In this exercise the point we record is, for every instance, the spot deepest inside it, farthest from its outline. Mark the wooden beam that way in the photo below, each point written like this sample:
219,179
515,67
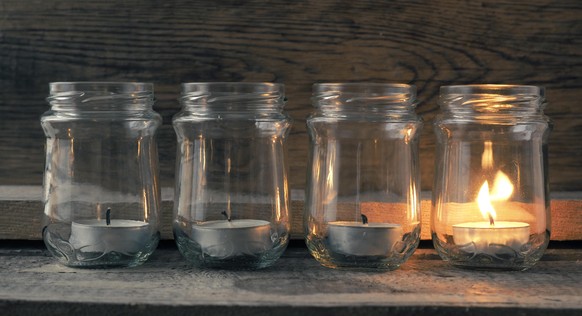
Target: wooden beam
21,211
426,43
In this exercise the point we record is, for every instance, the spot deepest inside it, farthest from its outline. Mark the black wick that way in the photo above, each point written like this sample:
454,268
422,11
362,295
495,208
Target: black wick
364,219
491,220
226,215
108,216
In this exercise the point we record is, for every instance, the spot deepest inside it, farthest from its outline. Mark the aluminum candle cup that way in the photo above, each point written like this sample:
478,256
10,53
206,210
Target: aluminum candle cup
359,239
485,236
225,239
123,236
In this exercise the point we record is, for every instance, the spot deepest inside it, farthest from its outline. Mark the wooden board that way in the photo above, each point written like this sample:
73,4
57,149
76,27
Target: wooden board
426,43
32,283
21,211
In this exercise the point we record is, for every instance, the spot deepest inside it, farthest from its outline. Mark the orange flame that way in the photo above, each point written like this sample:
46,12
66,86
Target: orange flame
501,191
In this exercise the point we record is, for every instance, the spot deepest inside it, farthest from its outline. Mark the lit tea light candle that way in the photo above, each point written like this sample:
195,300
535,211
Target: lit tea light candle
487,236
483,235
363,238
230,238
110,235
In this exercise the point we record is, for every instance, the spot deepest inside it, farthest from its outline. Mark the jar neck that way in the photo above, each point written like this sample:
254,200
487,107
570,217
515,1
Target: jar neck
100,97
490,100
233,97
364,98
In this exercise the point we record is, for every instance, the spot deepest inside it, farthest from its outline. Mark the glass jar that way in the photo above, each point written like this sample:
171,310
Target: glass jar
101,190
231,207
362,207
491,206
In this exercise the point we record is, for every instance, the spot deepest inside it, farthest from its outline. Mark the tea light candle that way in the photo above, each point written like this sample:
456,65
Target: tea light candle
484,235
229,238
363,238
119,235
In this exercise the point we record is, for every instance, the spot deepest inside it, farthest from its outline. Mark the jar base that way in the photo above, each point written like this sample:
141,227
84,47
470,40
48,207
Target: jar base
320,249
496,257
193,253
110,260
67,255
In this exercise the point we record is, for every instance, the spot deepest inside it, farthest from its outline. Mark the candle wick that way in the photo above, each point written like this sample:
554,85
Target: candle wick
226,215
108,216
491,220
364,219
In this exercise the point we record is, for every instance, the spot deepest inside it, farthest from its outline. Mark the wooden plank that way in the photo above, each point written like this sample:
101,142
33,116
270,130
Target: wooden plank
21,211
296,285
427,43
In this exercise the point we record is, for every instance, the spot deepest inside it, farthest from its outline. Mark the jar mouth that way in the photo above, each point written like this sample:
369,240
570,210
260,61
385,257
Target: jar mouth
231,87
497,89
97,96
232,96
492,98
101,87
365,89
363,95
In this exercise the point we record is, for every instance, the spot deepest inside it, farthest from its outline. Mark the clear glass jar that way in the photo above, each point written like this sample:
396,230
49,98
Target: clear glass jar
231,207
362,207
101,190
491,205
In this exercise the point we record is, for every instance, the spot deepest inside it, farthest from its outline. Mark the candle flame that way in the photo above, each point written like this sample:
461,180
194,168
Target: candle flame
501,191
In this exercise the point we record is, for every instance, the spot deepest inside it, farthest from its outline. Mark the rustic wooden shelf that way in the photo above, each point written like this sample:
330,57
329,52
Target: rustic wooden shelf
32,283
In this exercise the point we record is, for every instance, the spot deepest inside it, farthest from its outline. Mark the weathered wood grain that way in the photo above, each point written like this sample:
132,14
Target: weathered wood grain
21,212
32,283
427,43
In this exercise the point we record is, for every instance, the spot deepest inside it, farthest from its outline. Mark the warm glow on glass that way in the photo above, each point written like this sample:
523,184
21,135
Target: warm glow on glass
502,187
278,203
487,157
313,229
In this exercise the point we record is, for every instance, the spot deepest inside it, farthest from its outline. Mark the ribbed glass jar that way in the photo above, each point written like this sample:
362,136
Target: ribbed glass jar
491,204
362,207
101,190
231,207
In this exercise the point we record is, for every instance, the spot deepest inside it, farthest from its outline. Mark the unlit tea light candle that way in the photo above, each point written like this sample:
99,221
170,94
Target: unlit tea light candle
119,235
224,238
362,238
483,235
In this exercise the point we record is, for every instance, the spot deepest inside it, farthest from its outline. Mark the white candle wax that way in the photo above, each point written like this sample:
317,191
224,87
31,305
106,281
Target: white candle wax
224,239
123,236
358,239
483,234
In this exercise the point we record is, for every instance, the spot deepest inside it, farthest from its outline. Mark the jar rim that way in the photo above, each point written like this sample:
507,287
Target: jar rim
120,87
100,96
499,89
231,97
364,97
231,87
364,87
